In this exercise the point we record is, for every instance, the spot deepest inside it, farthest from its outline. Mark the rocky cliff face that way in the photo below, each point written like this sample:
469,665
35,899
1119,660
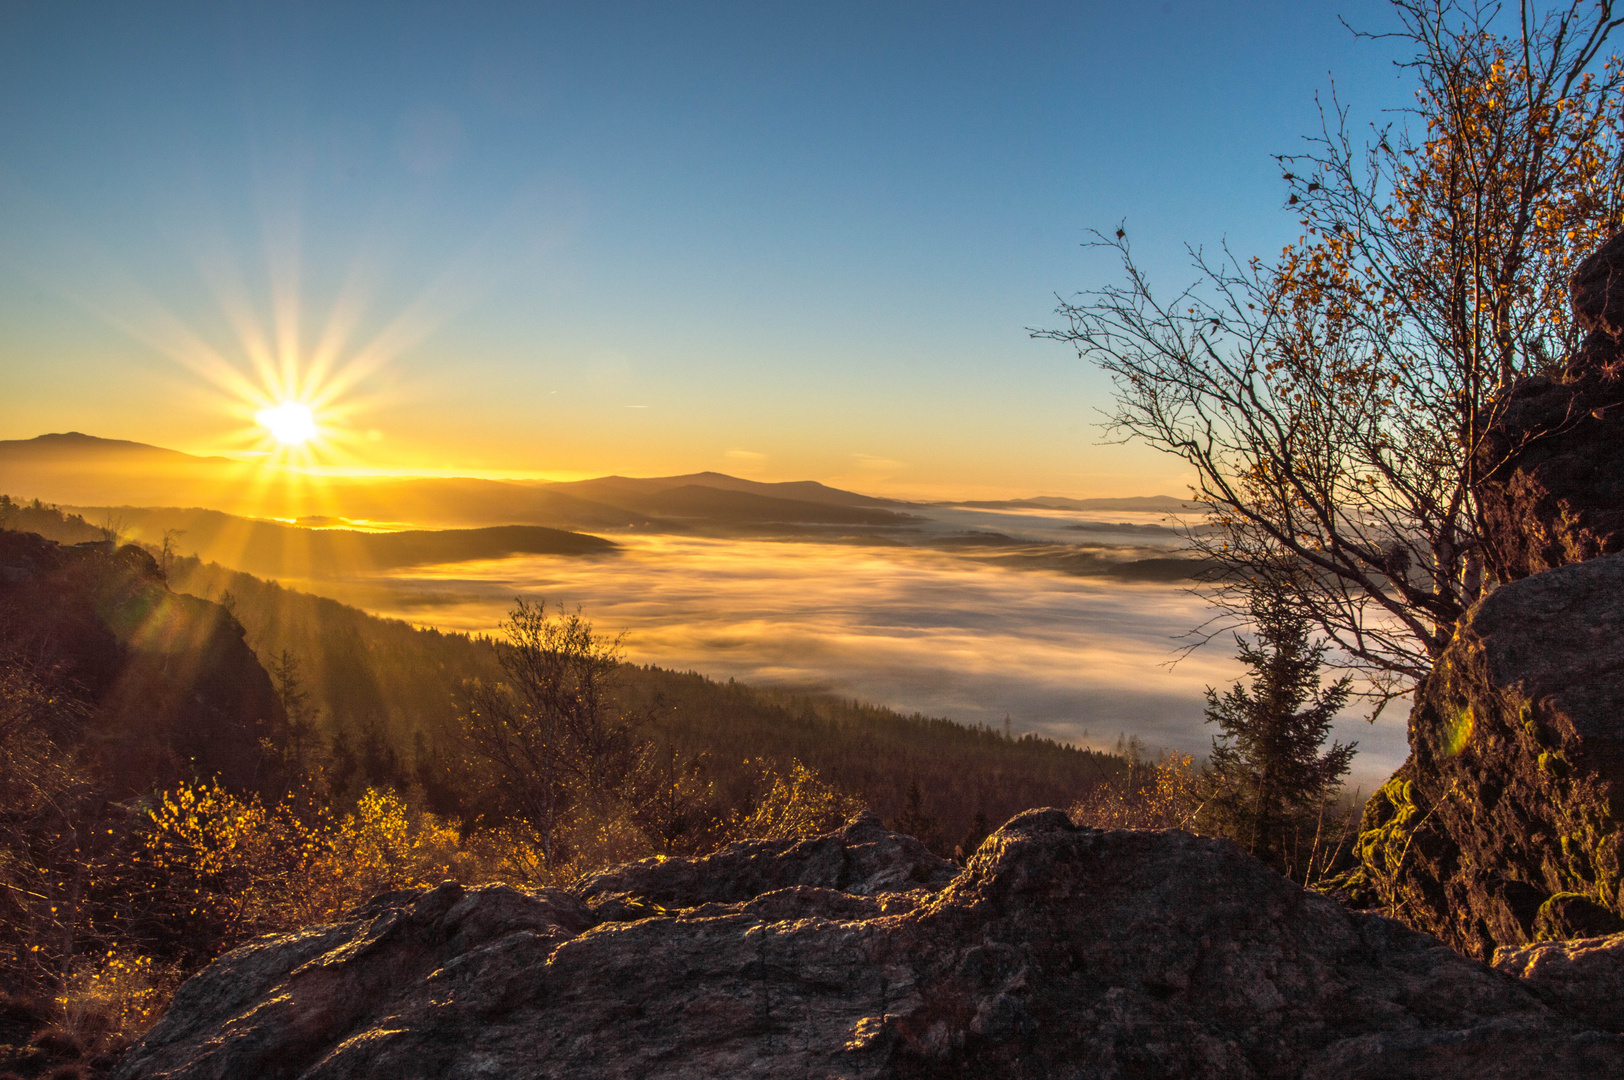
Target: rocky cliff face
1058,952
173,689
1551,469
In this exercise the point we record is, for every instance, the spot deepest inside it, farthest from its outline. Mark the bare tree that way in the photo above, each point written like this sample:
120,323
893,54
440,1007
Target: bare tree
553,727
168,553
112,528
1333,402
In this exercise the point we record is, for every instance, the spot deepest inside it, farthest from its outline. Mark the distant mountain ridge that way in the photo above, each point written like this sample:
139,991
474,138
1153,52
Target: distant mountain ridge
76,444
83,470
736,505
796,490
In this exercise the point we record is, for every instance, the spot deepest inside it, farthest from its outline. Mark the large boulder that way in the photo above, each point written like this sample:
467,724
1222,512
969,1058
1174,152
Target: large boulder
1552,475
1550,468
1057,951
1503,826
1596,290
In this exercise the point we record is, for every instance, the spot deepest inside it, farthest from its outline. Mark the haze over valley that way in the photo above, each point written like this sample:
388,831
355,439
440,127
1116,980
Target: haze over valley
1064,616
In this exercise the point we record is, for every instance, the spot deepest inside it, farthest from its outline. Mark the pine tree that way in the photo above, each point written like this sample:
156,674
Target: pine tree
1268,780
301,714
913,820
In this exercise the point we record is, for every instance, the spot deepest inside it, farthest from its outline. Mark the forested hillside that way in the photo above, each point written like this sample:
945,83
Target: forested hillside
386,694
389,694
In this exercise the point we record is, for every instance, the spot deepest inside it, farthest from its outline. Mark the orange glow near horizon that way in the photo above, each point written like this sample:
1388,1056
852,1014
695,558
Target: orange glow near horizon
293,409
239,374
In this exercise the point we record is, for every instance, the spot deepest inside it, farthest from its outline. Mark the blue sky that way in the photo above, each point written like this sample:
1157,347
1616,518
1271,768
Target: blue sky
781,240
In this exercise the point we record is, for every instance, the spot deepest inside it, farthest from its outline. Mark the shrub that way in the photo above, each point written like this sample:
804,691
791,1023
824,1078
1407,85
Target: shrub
108,1003
1165,794
791,804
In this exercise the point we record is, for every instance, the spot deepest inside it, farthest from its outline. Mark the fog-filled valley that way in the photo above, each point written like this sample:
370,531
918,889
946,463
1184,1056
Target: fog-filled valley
1066,618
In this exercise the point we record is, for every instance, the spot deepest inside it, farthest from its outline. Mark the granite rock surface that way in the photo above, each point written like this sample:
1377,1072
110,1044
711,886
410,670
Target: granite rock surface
1056,952
1503,826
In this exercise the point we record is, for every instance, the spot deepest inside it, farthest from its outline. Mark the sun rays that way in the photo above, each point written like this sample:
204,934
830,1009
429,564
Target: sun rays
287,378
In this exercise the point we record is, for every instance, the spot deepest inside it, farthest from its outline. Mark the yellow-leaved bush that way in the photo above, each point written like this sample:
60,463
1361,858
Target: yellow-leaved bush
1165,794
792,803
106,1002
234,867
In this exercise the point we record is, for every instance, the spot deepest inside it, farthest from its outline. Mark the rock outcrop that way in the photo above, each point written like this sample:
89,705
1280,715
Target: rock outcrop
1551,468
1057,952
1596,292
1582,978
1503,826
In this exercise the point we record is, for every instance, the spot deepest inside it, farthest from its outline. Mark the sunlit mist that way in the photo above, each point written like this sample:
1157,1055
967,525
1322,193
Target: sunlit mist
289,423
1075,658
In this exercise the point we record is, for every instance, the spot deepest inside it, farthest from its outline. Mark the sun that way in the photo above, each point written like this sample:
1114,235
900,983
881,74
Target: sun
290,423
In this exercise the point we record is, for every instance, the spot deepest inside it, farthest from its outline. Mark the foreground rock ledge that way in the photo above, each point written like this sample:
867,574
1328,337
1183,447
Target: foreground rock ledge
1058,952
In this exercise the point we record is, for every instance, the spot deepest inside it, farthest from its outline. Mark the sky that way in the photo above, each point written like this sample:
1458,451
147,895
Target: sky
783,241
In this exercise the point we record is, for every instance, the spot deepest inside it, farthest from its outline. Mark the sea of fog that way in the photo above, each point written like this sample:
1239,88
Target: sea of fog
941,633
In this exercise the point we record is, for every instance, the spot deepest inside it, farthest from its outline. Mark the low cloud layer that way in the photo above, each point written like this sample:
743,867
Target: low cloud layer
1082,659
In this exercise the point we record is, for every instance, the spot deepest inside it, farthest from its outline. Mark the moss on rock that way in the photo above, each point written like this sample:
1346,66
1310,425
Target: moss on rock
1574,915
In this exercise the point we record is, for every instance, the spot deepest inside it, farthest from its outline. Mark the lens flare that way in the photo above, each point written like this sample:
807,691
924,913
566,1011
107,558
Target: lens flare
290,423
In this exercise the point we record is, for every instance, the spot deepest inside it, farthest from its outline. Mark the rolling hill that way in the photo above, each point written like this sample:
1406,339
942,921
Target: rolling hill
274,549
83,470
